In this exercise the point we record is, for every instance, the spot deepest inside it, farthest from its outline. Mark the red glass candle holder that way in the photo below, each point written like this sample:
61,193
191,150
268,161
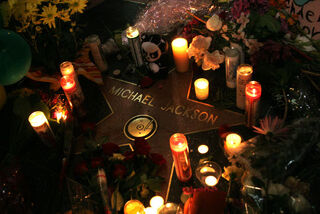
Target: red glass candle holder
180,154
72,91
253,94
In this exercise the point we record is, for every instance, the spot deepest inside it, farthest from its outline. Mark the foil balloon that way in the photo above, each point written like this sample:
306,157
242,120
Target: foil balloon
15,57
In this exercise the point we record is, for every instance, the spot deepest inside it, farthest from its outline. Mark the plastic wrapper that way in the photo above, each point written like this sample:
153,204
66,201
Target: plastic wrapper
163,16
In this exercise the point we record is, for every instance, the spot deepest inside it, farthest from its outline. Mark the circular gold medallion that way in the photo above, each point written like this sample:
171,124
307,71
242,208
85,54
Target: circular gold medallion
140,126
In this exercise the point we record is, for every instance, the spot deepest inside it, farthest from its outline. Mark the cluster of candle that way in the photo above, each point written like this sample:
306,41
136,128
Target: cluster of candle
136,207
70,84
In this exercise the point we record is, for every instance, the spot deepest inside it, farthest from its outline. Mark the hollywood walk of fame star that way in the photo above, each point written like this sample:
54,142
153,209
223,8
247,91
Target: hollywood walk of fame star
167,102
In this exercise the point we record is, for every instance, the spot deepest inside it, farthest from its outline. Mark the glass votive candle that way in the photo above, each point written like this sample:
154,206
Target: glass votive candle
133,207
170,208
208,173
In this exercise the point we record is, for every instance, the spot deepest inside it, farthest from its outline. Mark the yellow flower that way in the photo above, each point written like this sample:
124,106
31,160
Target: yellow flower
22,11
64,15
49,15
77,5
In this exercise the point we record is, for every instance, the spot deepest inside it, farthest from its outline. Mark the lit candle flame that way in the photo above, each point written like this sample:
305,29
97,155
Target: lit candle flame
211,180
233,140
37,119
156,202
203,149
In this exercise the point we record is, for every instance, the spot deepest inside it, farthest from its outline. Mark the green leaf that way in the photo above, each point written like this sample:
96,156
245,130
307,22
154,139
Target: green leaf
155,184
269,22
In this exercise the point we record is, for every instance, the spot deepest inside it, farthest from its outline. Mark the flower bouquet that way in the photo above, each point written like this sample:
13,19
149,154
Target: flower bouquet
50,27
276,169
115,175
267,36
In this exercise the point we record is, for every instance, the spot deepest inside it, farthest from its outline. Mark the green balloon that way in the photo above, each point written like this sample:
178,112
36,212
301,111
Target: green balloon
15,57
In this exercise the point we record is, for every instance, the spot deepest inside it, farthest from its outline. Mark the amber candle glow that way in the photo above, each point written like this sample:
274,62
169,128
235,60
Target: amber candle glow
67,69
72,91
180,55
180,154
253,94
201,87
133,207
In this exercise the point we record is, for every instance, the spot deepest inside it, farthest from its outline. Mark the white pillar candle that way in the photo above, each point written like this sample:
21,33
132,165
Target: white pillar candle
244,74
201,87
180,55
41,126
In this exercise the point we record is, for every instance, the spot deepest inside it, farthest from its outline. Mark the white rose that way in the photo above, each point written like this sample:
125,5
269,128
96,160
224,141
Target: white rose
304,41
214,23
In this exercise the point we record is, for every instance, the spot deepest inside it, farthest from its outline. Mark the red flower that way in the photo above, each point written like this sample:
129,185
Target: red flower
81,168
96,162
158,159
129,155
146,82
224,130
110,148
119,170
141,146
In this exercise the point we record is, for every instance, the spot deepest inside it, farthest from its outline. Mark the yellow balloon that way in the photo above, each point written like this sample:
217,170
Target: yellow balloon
3,96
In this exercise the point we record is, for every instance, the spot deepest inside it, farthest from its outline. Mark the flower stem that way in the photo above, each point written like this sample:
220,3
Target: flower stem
286,105
310,73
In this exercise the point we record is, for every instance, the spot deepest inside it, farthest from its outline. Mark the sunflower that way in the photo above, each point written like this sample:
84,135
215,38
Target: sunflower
49,14
64,15
77,5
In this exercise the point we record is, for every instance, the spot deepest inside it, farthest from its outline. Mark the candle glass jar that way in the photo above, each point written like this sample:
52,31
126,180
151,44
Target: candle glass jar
133,207
208,173
134,42
170,208
72,91
180,155
94,43
41,126
201,87
244,74
253,94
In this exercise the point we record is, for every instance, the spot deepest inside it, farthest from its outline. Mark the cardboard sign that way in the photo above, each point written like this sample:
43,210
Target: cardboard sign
308,12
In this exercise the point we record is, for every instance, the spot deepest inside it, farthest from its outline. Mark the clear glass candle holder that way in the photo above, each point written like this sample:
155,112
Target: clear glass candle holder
208,173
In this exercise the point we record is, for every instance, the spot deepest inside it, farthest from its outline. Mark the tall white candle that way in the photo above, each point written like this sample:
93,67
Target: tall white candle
244,74
180,55
201,87
41,126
